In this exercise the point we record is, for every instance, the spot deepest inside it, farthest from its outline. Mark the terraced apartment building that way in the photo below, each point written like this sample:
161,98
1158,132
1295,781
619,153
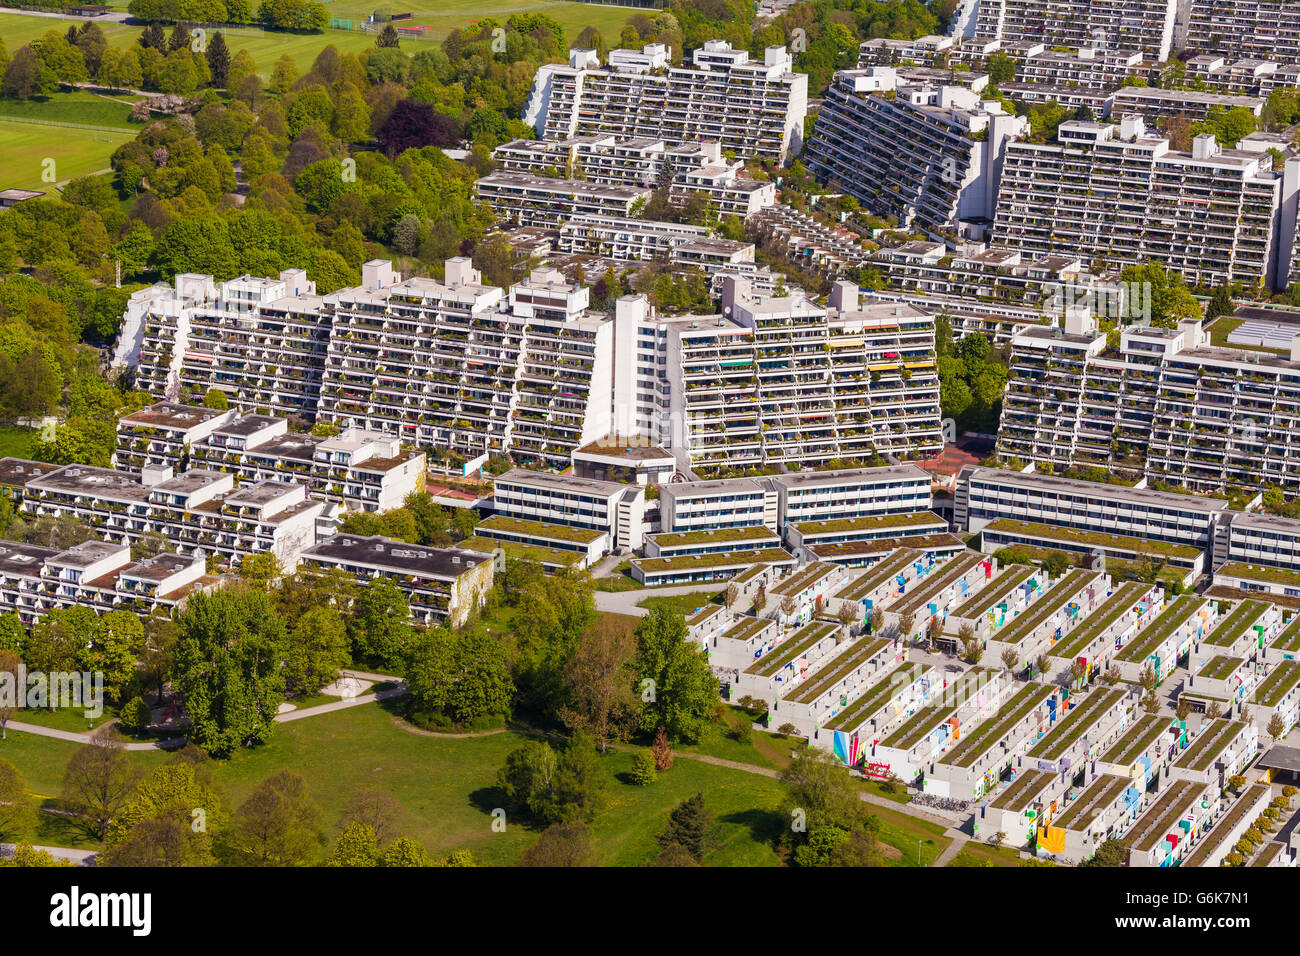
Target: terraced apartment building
1145,25
642,162
927,154
1260,29
1116,194
753,108
1183,406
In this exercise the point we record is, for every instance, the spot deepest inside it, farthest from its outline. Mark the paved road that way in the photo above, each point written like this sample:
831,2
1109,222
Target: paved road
113,16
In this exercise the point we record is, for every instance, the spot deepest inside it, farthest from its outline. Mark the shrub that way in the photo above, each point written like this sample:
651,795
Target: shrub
643,768
787,730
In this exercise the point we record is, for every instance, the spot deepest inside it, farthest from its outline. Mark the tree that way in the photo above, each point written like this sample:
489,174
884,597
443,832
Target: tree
691,826
278,825
15,810
388,37
1220,303
1111,853
906,621
356,846
228,668
561,844
731,595
461,677
526,778
1214,711
789,606
167,821
135,716
1010,658
1276,726
681,690
847,615
413,124
876,619
662,750
216,399
598,677
317,650
381,625
10,663
376,809
218,55
404,852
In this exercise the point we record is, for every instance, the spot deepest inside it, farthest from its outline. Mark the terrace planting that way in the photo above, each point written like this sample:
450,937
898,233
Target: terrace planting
1170,620
1117,605
878,695
1164,814
1056,598
927,719
1278,684
1008,717
1023,791
886,570
681,539
1223,826
538,529
1081,718
1137,740
1254,572
869,523
956,569
1231,627
1206,748
1289,640
701,562
996,591
838,669
1094,539
1103,793
791,649
800,581
1221,667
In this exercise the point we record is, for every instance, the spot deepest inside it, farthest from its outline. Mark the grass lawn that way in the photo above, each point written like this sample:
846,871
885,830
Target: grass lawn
24,147
16,442
72,719
684,604
77,106
762,750
981,854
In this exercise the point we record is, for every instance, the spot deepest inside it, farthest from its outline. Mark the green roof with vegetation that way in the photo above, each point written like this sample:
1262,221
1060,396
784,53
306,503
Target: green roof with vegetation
1137,739
993,593
1023,791
869,523
702,614
859,711
523,552
1097,797
886,570
1223,826
1220,667
1164,814
802,580
1212,741
1288,640
1096,539
703,562
1256,572
1174,616
745,628
921,542
1269,853
681,539
1112,609
1082,717
1057,597
926,720
753,571
935,582
1227,631
537,529
989,732
1278,684
837,669
791,649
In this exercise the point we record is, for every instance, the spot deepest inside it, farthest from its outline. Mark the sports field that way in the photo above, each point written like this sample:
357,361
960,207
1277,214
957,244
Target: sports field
440,16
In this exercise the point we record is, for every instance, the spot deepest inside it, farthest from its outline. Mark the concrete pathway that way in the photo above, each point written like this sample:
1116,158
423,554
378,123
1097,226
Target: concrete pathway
959,840
77,857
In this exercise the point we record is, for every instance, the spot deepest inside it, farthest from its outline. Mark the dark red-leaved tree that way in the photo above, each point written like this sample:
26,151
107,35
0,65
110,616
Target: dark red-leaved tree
413,124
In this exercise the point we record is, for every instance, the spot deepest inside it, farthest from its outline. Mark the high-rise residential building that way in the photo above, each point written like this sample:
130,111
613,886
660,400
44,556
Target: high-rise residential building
1145,25
1121,196
754,108
609,160
544,201
458,366
927,154
1261,29
1180,406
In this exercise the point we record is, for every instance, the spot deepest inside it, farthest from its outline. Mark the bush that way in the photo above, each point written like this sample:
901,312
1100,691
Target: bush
643,768
787,730
1254,836
135,716
743,733
1233,859
1288,791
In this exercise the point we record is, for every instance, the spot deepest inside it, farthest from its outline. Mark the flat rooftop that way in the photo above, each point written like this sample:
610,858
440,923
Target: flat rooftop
1092,490
841,476
23,560
172,415
16,472
562,483
389,555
